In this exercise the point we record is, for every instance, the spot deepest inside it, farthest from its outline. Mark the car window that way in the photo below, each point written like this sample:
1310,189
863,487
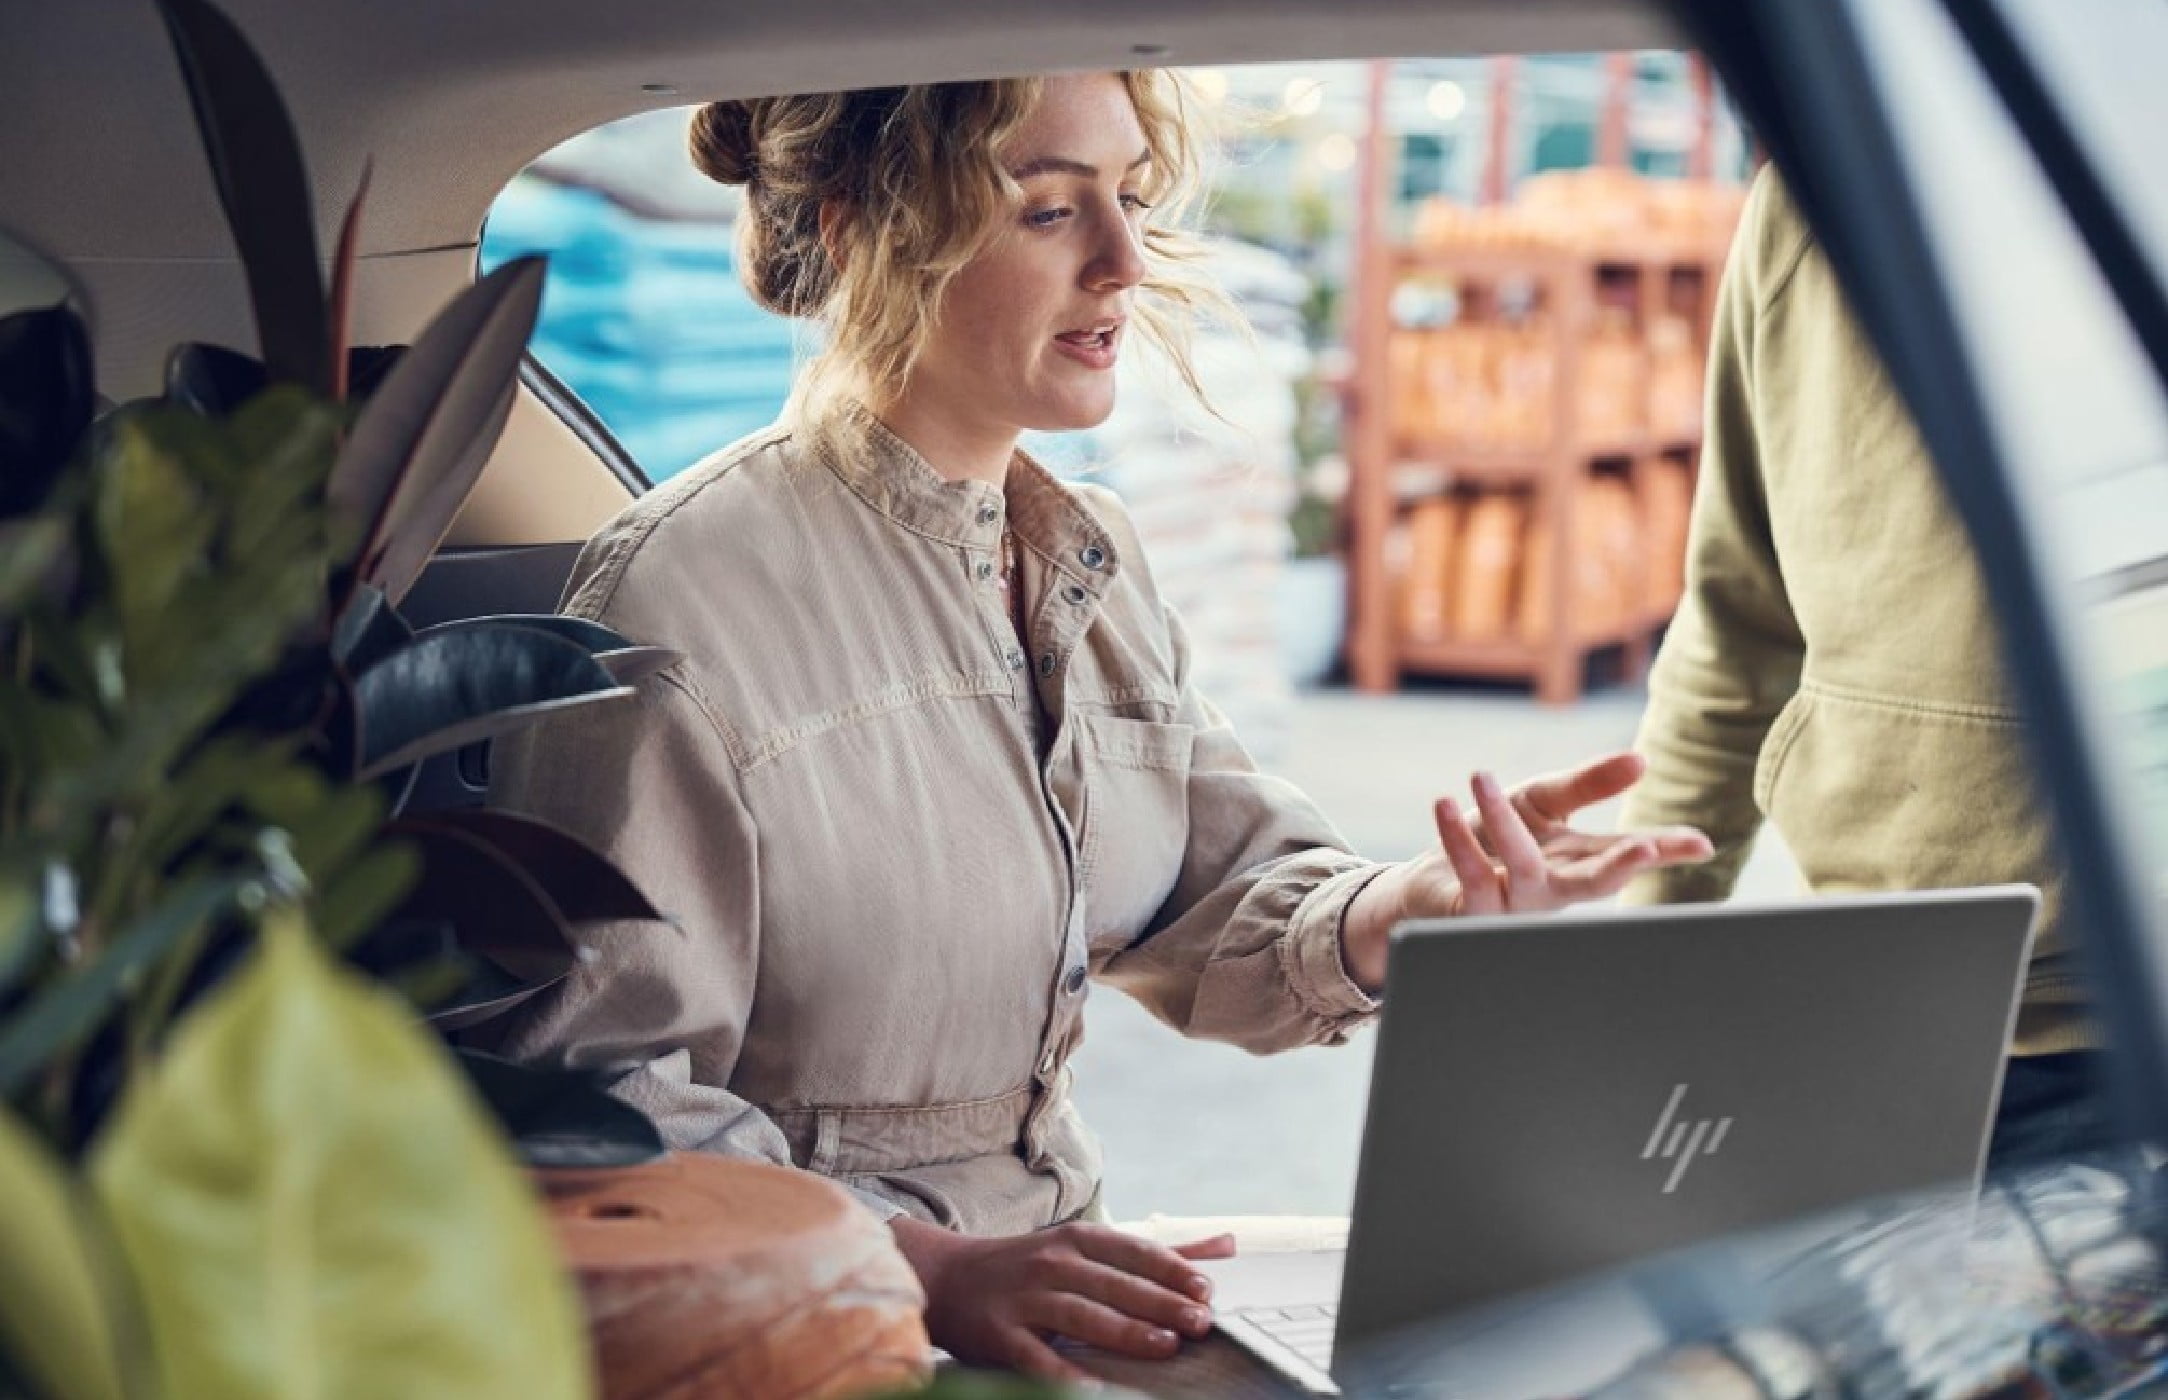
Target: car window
1246,519
2064,374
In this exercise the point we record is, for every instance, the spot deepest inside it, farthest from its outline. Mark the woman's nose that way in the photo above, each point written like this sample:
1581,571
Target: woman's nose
1120,263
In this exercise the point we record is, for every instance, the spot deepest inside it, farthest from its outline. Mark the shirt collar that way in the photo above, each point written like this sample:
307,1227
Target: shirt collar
896,481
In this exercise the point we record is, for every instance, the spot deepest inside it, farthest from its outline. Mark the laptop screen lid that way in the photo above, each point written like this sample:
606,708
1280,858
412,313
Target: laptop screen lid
1555,1096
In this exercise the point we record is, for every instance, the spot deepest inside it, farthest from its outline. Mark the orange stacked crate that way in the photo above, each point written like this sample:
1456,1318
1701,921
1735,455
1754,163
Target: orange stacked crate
1557,398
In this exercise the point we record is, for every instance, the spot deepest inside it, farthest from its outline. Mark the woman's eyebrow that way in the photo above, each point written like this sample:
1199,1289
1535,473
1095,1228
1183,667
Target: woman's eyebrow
1062,165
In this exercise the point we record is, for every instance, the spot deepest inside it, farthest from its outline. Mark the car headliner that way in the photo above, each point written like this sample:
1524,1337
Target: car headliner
101,172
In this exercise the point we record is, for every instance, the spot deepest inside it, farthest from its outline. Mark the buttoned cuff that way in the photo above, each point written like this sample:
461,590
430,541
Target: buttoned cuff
1310,952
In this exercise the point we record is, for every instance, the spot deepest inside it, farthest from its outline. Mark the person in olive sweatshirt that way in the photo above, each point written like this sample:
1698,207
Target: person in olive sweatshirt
1835,667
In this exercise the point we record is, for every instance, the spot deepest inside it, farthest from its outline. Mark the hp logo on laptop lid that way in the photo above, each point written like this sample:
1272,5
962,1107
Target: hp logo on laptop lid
1680,1140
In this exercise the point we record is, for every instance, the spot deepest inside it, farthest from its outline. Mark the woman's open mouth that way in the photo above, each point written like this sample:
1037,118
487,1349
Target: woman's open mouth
1094,345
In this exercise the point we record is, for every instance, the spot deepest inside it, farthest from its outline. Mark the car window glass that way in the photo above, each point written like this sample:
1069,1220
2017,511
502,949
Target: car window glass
2064,376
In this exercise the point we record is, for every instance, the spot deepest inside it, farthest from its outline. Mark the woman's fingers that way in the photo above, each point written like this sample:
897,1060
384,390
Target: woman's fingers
1557,796
1678,845
1106,1245
1221,1246
1479,888
1600,876
1135,1297
1094,1323
1526,871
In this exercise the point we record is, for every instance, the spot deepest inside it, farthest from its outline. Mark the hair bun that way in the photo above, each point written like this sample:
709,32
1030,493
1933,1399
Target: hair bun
722,142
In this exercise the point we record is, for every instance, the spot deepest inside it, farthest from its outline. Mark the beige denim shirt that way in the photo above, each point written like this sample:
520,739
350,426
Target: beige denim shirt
892,881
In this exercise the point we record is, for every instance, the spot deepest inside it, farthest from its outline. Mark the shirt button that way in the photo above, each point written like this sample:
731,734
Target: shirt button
986,568
1046,664
1074,982
989,513
1093,556
1074,594
1016,659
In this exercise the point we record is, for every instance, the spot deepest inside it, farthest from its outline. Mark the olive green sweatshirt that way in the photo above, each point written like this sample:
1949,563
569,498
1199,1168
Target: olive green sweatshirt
1834,666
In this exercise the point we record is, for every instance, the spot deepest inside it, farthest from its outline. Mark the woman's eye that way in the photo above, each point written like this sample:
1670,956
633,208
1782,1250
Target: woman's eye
1135,203
1046,218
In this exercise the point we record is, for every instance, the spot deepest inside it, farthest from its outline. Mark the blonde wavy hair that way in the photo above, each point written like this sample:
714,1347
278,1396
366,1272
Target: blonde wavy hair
918,171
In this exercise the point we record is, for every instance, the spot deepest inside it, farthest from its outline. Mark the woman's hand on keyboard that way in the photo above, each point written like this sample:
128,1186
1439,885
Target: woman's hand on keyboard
997,1301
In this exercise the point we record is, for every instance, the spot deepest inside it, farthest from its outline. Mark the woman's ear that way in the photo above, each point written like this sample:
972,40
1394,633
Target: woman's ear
834,215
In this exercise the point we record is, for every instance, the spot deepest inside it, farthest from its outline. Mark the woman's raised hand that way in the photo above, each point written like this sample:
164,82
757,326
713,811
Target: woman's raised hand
1516,853
998,1302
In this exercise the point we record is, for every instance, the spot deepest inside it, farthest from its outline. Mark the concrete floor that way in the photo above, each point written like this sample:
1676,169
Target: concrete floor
1200,1129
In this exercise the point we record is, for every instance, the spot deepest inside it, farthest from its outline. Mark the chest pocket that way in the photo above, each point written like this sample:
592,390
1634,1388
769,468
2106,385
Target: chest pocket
1134,825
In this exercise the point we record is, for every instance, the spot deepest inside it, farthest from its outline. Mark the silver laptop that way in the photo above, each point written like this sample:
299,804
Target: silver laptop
1554,1097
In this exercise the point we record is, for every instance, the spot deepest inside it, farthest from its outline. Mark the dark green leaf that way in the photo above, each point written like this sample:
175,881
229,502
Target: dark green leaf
497,908
364,894
635,664
68,1011
21,930
262,184
154,528
488,992
81,658
40,736
590,636
423,438
441,693
579,880
337,829
369,629
29,548
46,398
288,440
212,380
180,813
562,1118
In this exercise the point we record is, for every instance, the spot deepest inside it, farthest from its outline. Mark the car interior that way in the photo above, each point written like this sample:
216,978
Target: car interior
2034,354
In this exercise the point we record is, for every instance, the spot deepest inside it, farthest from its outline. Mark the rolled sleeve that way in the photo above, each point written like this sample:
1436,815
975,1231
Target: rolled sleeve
1311,952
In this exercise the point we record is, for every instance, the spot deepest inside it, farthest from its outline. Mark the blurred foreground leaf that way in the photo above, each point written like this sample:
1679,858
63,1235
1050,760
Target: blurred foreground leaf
314,1204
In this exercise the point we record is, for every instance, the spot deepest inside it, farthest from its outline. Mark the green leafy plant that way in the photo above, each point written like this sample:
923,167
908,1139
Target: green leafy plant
230,1163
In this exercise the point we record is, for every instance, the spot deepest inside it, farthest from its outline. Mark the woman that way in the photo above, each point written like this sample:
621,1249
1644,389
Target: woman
933,761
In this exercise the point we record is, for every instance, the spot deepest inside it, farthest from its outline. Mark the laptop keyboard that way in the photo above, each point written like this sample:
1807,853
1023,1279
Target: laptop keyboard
1305,1330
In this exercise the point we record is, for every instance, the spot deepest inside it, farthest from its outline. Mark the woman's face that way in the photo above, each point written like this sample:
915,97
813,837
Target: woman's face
1029,330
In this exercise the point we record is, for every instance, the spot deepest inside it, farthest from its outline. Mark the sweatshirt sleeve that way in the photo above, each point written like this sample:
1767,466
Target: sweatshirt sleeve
1732,656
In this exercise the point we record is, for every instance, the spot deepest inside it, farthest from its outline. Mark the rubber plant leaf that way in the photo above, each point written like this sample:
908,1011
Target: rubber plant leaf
313,1203
46,400
487,993
72,1008
263,186
423,437
562,1118
213,380
444,692
497,908
61,1317
583,883
625,661
368,630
